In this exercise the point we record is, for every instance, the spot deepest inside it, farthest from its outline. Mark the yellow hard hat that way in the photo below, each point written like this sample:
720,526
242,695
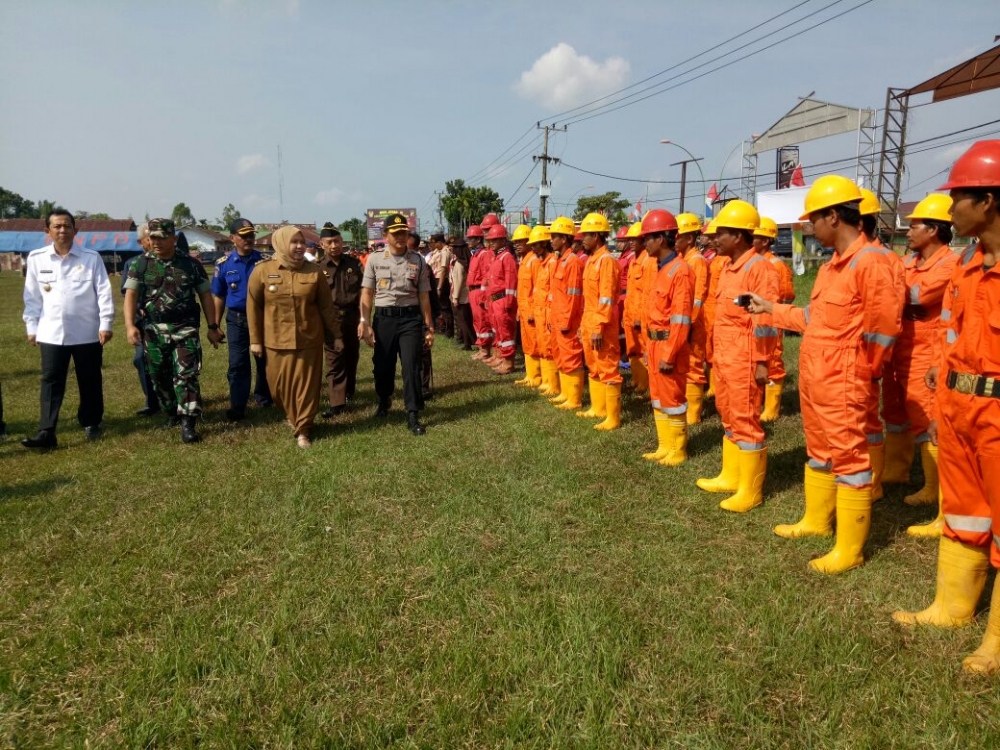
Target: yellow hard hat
828,191
595,222
522,232
869,203
710,228
936,207
562,225
538,234
687,223
738,215
634,230
767,228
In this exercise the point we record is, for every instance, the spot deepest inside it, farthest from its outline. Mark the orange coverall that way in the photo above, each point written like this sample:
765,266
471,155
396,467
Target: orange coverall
668,317
969,425
479,268
715,267
600,316
849,327
873,419
543,305
742,341
501,296
649,270
632,310
699,333
786,293
527,275
907,402
625,261
567,311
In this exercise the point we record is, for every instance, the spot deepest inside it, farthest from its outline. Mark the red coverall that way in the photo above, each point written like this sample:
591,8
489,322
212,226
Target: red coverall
501,294
715,267
527,274
600,316
625,261
567,312
741,342
631,309
479,268
699,333
969,425
543,305
849,326
786,293
907,402
668,317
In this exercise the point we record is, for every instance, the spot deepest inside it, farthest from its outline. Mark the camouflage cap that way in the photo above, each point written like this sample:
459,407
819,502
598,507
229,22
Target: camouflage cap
161,228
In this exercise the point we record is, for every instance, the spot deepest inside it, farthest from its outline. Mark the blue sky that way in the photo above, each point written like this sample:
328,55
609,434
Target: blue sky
132,107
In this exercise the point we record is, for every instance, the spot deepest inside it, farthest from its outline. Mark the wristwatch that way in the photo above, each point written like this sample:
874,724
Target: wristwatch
213,326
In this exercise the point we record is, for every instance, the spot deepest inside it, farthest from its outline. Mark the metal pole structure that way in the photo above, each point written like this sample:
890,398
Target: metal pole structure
543,190
694,159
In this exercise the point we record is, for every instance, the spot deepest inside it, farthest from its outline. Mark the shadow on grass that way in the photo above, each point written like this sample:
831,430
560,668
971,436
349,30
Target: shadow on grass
32,490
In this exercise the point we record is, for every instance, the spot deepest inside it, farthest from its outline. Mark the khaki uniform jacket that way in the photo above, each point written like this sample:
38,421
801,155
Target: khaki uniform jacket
288,309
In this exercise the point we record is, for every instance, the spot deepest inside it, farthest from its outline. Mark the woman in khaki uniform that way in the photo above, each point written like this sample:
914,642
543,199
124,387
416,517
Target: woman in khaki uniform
290,312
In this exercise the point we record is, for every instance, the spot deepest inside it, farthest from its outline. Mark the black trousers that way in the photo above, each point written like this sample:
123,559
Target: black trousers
87,360
463,325
342,366
402,337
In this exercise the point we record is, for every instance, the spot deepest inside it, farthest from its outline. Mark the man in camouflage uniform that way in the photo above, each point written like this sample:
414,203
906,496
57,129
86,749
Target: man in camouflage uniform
166,286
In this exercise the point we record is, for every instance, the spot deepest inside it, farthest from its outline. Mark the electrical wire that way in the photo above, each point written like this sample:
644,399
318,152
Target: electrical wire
502,154
508,202
502,167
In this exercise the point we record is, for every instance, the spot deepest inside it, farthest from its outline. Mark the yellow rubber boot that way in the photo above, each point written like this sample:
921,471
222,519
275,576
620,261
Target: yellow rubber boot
820,489
929,530
772,401
710,390
961,576
573,390
876,454
677,440
550,366
545,387
660,420
753,468
899,449
562,393
696,400
854,520
532,377
597,407
612,406
927,494
985,660
640,375
729,477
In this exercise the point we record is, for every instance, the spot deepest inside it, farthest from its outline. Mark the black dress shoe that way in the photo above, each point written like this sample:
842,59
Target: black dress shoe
265,404
92,433
41,441
188,432
333,411
171,423
383,410
148,411
235,415
413,422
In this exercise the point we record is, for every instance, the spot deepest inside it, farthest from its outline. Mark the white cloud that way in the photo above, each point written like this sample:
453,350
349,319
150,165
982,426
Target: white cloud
254,202
250,162
952,153
562,78
329,197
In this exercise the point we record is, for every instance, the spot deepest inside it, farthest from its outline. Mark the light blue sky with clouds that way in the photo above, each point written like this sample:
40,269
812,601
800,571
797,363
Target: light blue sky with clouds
132,107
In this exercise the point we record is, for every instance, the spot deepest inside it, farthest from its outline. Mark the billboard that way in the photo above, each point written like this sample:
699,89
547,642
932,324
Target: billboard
788,160
375,217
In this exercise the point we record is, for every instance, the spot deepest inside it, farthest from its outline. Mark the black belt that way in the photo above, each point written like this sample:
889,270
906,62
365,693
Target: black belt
974,385
413,311
657,335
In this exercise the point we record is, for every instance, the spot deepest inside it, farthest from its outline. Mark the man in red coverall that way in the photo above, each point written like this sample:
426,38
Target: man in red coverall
501,296
478,268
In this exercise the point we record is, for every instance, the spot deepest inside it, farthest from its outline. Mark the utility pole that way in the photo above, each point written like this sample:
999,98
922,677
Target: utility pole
281,186
544,190
684,174
439,193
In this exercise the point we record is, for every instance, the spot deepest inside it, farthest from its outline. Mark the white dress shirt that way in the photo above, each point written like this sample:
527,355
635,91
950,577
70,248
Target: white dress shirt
67,300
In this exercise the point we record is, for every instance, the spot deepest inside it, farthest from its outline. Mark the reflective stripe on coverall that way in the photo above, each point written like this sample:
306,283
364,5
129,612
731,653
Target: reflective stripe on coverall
742,341
479,268
715,267
849,327
543,305
632,310
669,306
786,293
600,316
699,332
969,425
501,294
527,275
873,419
567,312
625,261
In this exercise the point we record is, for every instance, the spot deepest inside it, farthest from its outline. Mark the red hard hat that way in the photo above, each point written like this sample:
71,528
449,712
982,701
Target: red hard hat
658,220
578,237
474,230
497,232
622,233
490,220
979,167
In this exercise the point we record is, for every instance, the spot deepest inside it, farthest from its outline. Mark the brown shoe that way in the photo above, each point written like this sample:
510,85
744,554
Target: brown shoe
506,367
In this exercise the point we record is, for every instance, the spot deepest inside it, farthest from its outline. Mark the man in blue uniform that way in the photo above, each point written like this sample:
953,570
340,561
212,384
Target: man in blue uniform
229,288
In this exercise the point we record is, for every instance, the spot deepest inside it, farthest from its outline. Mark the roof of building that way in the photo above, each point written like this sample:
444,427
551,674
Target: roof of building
82,225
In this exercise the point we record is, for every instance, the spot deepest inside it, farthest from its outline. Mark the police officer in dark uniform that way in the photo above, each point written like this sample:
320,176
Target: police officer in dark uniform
397,285
229,288
343,272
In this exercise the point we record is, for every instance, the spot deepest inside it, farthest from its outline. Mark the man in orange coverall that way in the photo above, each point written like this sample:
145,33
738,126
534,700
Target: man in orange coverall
668,319
501,296
967,431
743,346
715,266
539,242
626,256
849,326
527,273
907,402
763,240
566,290
479,267
688,227
632,312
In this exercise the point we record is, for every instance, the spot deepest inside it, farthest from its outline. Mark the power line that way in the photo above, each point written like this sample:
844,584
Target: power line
502,154
508,202
519,155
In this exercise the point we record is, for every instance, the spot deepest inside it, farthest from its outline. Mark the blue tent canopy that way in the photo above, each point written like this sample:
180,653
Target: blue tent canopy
24,242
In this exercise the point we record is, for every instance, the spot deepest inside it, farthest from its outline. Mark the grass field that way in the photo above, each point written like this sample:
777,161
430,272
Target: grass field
513,579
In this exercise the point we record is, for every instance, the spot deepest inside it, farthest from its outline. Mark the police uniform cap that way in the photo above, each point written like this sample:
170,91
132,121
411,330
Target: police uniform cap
395,223
242,227
329,230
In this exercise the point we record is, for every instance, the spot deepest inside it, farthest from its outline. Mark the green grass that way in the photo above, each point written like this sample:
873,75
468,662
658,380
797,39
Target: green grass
513,579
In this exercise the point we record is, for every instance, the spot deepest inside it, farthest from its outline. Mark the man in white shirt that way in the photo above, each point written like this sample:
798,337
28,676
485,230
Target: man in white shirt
68,312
